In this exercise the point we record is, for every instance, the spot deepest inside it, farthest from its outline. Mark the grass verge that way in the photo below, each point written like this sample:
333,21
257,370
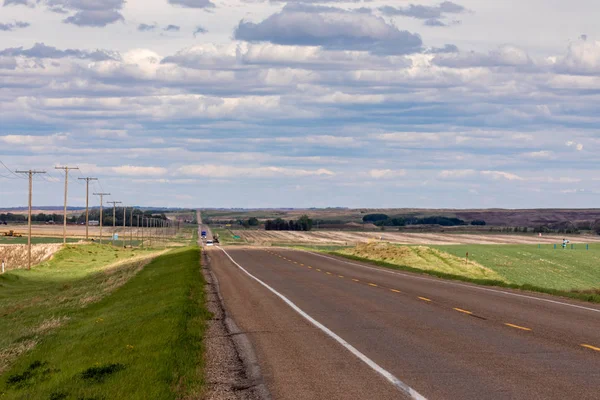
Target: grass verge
590,295
144,341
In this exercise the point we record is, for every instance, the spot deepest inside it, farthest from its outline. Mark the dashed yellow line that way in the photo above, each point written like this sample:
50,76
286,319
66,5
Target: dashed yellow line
460,310
318,270
372,284
425,299
517,327
328,273
340,276
309,267
395,291
302,265
587,346
355,280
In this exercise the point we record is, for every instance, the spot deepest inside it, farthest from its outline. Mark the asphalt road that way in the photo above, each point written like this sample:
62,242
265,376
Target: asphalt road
386,335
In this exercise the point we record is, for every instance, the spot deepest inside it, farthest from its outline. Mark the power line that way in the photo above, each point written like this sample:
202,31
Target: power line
9,170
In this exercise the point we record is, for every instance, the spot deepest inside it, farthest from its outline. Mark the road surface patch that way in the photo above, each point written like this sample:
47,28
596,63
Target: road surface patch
397,383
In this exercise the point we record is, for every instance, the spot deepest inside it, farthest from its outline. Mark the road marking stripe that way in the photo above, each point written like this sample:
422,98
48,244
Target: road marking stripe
403,387
447,282
340,276
463,311
318,270
517,327
355,280
309,267
328,273
395,291
372,284
302,265
425,299
591,347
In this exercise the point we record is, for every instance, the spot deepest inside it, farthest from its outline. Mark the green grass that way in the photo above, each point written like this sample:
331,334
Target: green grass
526,264
144,341
37,301
34,240
567,273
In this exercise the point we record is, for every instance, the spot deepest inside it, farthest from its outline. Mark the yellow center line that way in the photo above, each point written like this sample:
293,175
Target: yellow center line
328,273
372,284
340,276
463,311
309,267
587,346
302,265
395,291
424,299
517,327
318,270
355,280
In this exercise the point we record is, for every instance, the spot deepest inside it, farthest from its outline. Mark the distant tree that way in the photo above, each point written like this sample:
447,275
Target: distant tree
253,221
375,217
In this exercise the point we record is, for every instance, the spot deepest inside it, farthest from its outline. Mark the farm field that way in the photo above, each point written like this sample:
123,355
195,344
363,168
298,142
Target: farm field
559,269
140,337
568,272
346,238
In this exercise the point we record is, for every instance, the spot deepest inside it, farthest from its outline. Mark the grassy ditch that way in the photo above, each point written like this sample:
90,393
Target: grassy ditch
35,240
572,274
33,303
144,341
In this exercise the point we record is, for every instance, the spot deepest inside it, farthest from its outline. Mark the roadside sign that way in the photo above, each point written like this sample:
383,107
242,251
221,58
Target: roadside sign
116,236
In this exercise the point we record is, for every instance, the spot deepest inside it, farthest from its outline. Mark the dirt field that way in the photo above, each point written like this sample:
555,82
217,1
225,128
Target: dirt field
351,238
16,255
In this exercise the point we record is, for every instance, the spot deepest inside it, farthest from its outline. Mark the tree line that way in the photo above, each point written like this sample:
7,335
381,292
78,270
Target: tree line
94,215
385,220
304,223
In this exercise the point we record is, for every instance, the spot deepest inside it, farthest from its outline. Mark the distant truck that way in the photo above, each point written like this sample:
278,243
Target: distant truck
203,234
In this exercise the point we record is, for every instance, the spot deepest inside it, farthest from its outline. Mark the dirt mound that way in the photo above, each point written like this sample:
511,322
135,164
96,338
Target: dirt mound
15,255
423,258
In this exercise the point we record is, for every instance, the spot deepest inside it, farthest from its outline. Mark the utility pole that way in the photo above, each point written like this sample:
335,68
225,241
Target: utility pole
31,173
124,219
114,203
66,169
87,201
131,225
142,229
101,204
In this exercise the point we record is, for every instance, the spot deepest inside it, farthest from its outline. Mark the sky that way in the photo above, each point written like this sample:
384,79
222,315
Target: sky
302,103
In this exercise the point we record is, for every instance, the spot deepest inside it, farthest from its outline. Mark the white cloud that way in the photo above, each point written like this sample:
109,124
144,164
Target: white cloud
386,173
497,175
457,173
228,171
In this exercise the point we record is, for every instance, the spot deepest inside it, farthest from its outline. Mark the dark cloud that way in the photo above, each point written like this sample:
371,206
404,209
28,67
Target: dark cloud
193,3
449,48
13,25
94,13
30,3
172,28
40,50
431,14
331,28
199,30
583,37
146,27
434,22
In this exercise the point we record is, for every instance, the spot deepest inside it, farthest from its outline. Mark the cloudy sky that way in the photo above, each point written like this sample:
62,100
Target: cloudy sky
300,103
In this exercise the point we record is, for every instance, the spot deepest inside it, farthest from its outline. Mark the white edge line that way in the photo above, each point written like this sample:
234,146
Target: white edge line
387,375
453,283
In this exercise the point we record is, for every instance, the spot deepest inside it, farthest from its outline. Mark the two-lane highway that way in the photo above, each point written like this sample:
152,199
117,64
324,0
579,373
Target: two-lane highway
328,328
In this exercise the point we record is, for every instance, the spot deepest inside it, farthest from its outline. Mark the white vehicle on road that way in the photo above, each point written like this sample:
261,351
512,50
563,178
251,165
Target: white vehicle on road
209,243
